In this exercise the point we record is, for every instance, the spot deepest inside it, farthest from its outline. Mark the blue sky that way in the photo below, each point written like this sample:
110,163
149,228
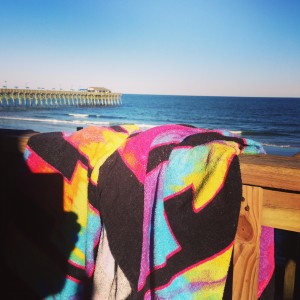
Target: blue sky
187,47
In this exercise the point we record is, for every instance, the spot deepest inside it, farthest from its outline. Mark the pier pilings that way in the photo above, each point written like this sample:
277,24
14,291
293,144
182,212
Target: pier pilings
50,98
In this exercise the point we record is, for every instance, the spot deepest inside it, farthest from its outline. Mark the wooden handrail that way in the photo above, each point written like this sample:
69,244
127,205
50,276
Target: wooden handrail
271,192
271,171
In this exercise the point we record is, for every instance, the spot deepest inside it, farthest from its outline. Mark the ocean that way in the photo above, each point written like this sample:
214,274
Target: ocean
274,122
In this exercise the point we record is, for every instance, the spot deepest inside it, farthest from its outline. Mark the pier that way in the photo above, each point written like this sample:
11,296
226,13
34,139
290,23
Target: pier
52,98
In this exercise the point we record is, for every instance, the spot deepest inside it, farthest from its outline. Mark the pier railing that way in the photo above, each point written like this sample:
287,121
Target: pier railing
54,98
271,197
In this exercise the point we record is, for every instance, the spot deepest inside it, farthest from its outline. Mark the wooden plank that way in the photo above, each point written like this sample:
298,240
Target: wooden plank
281,210
247,245
272,171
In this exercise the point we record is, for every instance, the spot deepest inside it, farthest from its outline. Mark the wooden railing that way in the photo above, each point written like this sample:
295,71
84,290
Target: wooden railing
271,197
271,193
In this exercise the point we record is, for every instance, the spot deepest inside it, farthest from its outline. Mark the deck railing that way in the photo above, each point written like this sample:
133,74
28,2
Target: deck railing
271,192
271,197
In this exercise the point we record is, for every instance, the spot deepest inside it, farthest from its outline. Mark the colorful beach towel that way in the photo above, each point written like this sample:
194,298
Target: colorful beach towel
157,209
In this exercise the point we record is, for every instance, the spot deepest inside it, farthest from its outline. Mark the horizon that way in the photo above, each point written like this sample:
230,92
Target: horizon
192,48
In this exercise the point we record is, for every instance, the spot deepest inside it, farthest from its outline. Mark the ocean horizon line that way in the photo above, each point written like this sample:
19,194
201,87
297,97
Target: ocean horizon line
214,96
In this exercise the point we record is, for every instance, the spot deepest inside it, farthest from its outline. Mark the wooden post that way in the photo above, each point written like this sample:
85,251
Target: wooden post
247,245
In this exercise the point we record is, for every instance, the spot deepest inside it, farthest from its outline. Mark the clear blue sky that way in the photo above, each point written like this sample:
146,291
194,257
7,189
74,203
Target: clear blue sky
186,47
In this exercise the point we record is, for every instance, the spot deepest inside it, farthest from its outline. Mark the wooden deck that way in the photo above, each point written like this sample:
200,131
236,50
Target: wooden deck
271,192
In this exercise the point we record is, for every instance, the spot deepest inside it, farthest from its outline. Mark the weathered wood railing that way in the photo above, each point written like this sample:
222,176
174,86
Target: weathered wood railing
271,193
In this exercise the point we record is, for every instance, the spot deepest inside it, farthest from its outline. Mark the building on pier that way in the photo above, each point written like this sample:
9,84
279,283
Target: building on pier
93,96
98,90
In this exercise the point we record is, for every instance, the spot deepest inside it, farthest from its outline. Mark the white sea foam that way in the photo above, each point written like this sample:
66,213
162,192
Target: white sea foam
86,122
278,146
145,126
79,115
237,132
42,120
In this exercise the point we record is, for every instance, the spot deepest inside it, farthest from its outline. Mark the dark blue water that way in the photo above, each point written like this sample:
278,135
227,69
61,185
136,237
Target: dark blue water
275,122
